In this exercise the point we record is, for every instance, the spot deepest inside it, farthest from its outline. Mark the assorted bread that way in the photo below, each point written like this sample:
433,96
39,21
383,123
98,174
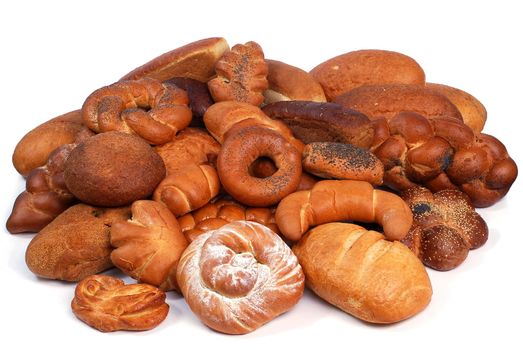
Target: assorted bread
230,178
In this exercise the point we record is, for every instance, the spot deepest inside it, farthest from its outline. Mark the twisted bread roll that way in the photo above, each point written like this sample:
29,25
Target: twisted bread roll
107,304
222,116
46,196
217,214
149,245
153,110
361,273
239,277
340,200
188,189
443,153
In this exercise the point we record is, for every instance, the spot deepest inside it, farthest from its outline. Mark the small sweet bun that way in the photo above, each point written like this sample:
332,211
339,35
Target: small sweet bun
108,304
363,274
113,169
445,227
33,150
331,160
76,244
323,122
241,149
472,110
289,83
388,100
343,73
195,60
239,277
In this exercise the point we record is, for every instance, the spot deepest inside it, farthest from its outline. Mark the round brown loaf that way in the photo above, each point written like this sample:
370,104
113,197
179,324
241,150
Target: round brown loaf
113,169
345,72
388,100
288,83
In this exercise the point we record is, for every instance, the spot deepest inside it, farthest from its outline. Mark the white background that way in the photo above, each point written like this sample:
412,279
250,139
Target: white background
53,55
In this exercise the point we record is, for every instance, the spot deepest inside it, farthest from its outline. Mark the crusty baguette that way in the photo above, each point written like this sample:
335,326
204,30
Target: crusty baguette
363,274
341,200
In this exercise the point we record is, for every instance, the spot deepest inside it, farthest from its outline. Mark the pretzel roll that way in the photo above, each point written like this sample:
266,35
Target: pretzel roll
222,116
149,245
241,149
199,97
287,83
195,60
388,100
153,110
341,200
271,279
345,72
342,161
323,122
221,212
188,189
472,110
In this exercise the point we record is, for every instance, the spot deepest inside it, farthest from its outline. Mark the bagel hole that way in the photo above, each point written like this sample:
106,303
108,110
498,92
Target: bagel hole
262,167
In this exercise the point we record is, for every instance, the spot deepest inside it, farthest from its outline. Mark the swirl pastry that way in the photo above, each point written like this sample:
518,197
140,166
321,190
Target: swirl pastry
239,277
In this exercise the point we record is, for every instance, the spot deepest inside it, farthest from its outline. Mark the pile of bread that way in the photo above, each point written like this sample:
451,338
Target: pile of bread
235,180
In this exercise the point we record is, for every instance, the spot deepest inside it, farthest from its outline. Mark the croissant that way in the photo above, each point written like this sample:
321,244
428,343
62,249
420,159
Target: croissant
149,245
188,189
339,200
239,277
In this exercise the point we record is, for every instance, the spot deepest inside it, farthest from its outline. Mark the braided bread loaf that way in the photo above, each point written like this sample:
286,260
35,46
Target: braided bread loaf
46,196
221,212
153,110
443,153
239,277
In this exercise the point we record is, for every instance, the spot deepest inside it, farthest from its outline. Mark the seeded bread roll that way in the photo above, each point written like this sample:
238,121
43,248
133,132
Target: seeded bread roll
331,160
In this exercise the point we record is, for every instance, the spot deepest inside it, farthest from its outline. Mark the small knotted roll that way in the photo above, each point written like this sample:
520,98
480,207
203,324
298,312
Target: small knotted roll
239,277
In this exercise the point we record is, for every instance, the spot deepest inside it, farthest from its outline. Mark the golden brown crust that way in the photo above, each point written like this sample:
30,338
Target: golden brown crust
241,75
33,150
75,244
341,200
153,110
388,100
195,60
107,304
289,83
222,212
190,146
241,148
211,268
113,169
361,273
331,160
445,227
472,110
345,72
149,245
188,189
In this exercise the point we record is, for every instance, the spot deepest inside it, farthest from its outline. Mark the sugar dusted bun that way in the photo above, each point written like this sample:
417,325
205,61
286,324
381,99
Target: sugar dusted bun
272,281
